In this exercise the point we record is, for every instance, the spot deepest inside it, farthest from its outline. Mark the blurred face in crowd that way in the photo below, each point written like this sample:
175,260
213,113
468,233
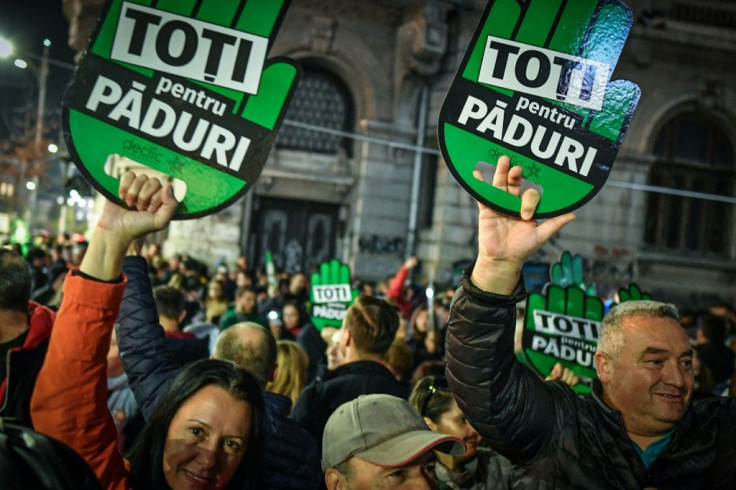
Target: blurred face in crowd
206,440
247,301
290,316
422,321
453,423
651,380
215,290
335,357
419,474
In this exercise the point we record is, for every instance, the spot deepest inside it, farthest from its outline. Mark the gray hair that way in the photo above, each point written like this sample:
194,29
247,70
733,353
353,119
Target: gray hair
611,337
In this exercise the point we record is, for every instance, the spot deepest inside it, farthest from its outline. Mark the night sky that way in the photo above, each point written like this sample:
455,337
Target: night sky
26,23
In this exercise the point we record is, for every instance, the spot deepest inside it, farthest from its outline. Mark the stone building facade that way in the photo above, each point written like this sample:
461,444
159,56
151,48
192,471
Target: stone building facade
345,179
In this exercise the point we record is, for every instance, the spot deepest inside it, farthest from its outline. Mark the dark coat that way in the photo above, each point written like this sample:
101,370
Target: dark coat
23,364
561,439
291,458
318,400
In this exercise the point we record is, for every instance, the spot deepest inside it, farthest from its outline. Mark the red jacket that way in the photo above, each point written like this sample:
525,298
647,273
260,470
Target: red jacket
396,292
23,364
70,399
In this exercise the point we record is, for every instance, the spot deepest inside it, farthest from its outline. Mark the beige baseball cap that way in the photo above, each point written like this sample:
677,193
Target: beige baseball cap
381,429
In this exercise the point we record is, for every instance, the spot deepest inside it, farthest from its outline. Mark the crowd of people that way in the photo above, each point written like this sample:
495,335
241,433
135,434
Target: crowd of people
167,373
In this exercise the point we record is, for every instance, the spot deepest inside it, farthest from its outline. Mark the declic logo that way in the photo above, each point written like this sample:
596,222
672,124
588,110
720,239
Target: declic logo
149,153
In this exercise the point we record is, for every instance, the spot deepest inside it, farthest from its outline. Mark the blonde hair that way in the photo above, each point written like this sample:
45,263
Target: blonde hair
291,373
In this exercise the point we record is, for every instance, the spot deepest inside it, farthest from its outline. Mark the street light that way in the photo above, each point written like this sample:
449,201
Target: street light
6,48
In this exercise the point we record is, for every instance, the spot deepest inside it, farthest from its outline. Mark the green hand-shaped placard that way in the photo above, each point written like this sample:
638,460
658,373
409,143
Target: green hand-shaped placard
632,293
569,272
562,326
330,294
535,85
182,87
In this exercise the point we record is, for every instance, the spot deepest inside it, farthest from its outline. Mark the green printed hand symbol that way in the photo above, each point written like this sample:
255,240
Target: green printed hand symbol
632,293
221,101
534,85
569,272
327,306
556,326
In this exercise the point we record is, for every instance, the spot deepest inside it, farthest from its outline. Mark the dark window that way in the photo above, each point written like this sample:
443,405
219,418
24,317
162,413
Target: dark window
321,100
693,154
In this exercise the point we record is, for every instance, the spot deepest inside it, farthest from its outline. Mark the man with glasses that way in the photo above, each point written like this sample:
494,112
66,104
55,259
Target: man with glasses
638,429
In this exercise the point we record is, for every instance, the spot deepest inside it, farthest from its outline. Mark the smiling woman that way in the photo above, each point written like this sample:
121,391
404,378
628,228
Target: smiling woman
207,424
205,432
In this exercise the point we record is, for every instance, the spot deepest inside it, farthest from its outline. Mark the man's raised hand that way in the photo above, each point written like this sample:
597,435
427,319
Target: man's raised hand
504,242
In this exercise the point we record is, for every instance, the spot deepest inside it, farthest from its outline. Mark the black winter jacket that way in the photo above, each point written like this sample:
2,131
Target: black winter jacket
318,400
291,458
563,440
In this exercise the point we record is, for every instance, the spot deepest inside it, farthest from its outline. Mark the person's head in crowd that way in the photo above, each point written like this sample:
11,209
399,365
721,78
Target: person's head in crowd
291,317
335,355
170,307
251,347
57,272
427,368
434,401
242,263
644,363
380,441
36,257
369,328
243,279
246,300
216,302
419,323
367,288
15,283
216,290
399,360
712,329
206,431
291,371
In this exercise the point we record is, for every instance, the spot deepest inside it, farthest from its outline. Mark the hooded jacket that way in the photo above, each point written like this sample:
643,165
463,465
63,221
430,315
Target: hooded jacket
560,439
23,364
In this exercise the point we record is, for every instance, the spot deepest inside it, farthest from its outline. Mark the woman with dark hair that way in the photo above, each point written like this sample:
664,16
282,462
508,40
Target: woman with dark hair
478,468
425,339
172,438
206,431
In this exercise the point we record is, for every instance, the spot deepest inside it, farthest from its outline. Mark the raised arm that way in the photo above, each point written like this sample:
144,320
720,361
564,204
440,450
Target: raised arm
508,404
70,398
147,360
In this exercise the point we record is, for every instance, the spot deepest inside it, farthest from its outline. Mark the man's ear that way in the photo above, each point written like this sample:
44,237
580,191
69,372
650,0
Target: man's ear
333,479
182,315
603,367
431,424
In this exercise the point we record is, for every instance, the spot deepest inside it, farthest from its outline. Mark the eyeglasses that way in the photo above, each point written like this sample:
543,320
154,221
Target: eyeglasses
436,384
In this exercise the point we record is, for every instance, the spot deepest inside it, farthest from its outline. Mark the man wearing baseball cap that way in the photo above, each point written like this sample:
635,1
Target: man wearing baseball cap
380,441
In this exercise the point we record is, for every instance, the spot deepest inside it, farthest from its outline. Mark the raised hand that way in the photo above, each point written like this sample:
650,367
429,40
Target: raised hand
151,205
505,242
